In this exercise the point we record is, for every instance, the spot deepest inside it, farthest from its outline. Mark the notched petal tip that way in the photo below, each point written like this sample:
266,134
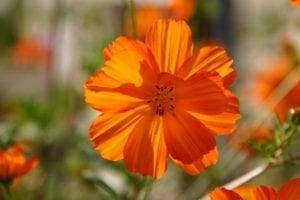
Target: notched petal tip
171,43
187,139
30,164
145,151
211,58
200,165
109,131
224,194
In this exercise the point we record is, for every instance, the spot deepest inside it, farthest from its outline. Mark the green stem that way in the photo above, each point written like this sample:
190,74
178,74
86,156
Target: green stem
133,17
7,193
148,188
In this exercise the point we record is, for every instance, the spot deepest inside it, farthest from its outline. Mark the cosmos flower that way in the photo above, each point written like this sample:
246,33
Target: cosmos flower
13,163
30,51
295,2
224,194
160,100
147,14
268,80
182,9
289,191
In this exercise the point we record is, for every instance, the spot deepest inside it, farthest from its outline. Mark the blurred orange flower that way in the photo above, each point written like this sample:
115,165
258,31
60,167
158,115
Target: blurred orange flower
30,51
296,2
268,80
145,16
289,191
159,99
13,163
182,9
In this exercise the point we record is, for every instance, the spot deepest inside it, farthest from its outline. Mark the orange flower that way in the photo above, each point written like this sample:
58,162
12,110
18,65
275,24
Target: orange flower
224,194
30,51
13,163
160,100
244,191
182,9
289,191
145,17
270,79
295,2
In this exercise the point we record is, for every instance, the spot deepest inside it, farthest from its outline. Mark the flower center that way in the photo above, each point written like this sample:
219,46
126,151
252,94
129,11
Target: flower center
163,99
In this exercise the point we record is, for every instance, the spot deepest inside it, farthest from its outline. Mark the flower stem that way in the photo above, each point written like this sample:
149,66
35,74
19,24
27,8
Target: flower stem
7,193
247,177
133,17
253,174
148,188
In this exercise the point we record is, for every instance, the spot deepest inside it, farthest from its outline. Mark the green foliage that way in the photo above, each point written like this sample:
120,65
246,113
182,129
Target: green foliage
93,63
42,113
283,135
267,148
10,26
271,22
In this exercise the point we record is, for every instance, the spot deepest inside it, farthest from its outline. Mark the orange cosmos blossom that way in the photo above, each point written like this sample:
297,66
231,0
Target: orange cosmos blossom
182,9
13,163
31,51
159,99
146,15
289,191
296,2
268,80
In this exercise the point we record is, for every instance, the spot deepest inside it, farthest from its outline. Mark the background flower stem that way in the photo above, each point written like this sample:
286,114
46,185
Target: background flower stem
133,17
7,193
148,188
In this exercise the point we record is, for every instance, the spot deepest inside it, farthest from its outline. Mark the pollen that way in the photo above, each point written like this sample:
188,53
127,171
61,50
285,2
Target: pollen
163,99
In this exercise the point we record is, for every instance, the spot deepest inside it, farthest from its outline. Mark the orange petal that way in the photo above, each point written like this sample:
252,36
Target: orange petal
202,93
100,81
210,58
145,151
171,44
29,165
124,83
15,160
124,67
4,165
295,2
290,190
187,139
182,9
264,193
245,191
112,101
224,194
222,123
123,44
199,166
110,131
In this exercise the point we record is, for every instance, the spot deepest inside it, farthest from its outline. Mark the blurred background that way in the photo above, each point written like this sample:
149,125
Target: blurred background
48,48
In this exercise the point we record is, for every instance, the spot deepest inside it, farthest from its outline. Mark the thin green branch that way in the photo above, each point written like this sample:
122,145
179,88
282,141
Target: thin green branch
7,193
